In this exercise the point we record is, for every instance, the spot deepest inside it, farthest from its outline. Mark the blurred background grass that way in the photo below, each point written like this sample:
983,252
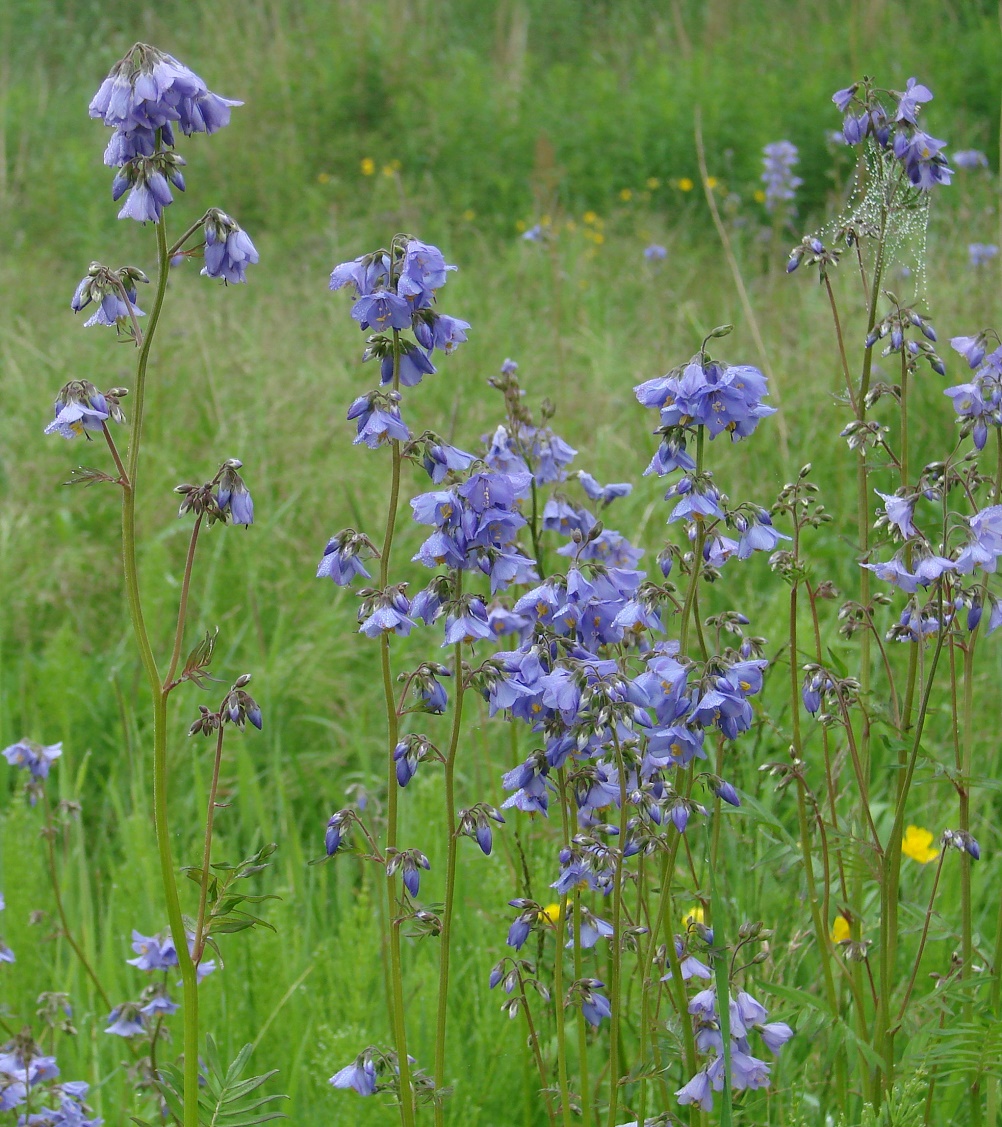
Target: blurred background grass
464,122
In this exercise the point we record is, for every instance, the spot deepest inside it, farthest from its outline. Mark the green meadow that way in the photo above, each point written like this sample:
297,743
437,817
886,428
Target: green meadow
466,123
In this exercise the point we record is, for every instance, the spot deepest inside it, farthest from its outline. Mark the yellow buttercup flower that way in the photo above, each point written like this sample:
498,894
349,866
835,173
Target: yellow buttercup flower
551,913
653,182
589,217
759,196
520,225
917,844
685,184
323,177
469,215
711,182
368,166
840,929
626,195
695,915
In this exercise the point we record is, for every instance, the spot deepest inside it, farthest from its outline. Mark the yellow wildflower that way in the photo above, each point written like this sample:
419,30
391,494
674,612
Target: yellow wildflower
625,195
589,217
368,166
598,238
551,913
840,929
685,184
323,177
711,182
759,196
469,215
917,844
695,915
520,225
653,182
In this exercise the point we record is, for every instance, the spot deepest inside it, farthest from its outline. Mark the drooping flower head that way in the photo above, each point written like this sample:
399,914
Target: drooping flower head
148,90
228,248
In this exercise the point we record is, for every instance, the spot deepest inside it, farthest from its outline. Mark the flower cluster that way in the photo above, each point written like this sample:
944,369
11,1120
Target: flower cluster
779,160
746,1014
704,392
26,1070
146,93
153,953
115,294
895,129
476,527
395,291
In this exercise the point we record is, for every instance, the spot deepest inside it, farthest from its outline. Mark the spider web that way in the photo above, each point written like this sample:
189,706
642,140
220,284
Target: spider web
884,201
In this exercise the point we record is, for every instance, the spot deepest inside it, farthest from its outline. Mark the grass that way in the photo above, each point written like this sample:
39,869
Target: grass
265,372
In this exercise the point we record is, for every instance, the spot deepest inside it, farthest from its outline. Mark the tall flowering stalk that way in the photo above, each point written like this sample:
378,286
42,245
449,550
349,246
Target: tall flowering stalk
395,291
146,100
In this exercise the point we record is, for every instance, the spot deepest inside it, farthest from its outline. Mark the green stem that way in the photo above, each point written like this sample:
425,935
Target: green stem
450,874
904,418
60,908
616,954
407,1112
922,941
182,607
160,819
210,813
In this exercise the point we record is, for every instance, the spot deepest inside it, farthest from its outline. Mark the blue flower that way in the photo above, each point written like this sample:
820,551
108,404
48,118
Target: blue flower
779,159
34,758
424,271
149,90
603,493
360,1075
910,101
469,626
595,1005
105,287
366,273
440,459
382,310
228,248
79,407
153,952
655,253
412,366
436,330
232,496
125,1021
341,560
758,535
970,158
376,424
148,181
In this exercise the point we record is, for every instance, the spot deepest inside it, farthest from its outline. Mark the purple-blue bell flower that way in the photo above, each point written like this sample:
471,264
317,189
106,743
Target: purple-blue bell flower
228,248
899,512
437,330
775,1034
603,493
910,101
382,310
468,627
360,1075
153,952
79,407
424,270
386,619
150,89
366,273
655,253
125,1021
341,563
595,1006
972,349
377,425
697,1091
970,158
413,366
233,499
758,536
159,1004
843,98
34,758
441,459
